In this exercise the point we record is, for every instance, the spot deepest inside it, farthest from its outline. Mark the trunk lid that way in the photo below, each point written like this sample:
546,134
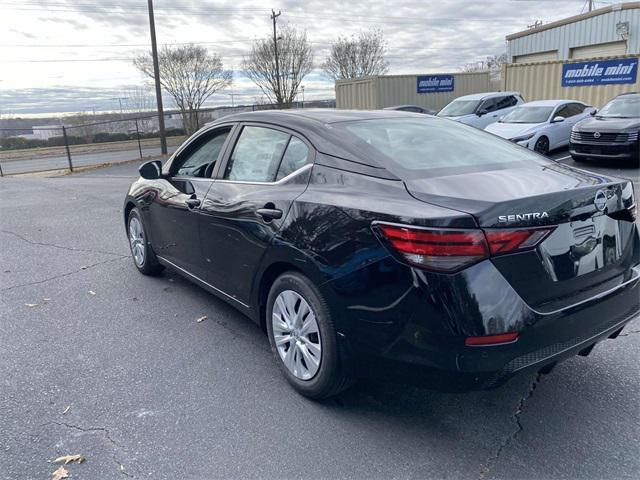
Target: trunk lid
591,248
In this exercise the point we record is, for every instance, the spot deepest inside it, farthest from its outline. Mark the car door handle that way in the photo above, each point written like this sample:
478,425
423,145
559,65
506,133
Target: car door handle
269,213
192,203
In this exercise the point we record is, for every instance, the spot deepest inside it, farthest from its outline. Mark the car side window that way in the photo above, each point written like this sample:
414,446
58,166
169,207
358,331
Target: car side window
295,157
506,102
199,161
257,155
563,112
490,105
575,109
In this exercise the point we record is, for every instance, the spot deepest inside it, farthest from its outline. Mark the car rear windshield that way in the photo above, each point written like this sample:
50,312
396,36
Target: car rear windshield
459,107
528,115
622,107
432,146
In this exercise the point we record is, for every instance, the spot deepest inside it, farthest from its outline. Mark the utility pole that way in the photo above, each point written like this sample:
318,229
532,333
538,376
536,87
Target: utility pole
273,17
156,74
590,5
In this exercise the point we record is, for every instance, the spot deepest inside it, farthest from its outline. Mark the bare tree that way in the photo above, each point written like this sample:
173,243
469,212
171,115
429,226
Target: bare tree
358,56
492,63
141,100
280,81
190,74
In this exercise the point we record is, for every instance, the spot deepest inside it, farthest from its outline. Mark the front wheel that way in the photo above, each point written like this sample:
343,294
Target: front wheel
143,256
303,338
542,145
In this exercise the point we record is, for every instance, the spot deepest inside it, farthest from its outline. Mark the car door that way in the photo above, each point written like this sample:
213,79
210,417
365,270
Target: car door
245,207
175,212
561,131
490,105
505,104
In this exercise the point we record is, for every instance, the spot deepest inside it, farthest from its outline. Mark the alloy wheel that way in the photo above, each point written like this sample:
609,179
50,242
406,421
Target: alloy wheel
296,334
136,239
542,145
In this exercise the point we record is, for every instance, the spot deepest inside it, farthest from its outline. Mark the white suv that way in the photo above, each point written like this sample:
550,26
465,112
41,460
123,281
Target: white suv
481,109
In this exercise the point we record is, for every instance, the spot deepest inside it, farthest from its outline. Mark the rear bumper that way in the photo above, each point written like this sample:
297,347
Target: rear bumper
412,340
612,151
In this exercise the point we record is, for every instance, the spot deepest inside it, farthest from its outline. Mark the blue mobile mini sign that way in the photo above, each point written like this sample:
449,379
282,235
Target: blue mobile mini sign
435,83
599,72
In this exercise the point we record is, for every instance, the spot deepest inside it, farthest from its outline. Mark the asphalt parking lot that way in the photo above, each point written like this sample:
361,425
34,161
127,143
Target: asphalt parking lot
101,361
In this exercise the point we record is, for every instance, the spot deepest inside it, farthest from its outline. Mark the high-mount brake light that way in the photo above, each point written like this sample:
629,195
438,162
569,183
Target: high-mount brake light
451,250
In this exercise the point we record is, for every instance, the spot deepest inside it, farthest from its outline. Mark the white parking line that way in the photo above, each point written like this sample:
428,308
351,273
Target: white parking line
562,158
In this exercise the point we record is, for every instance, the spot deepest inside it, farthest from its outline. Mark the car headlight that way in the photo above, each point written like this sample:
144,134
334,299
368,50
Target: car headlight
522,138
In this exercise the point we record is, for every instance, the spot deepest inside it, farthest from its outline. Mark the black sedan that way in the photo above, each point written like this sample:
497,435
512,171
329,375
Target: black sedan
392,244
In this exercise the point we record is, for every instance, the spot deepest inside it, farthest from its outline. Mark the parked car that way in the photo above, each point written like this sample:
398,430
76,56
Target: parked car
542,125
481,109
610,134
413,109
387,243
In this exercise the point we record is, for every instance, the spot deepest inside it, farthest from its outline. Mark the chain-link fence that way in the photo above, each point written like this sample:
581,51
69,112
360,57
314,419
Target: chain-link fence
131,136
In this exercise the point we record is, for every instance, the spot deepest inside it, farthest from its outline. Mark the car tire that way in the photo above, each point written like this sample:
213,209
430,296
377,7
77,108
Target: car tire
294,291
542,145
142,254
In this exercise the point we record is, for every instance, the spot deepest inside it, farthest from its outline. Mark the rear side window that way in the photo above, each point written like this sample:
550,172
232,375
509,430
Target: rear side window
265,155
506,102
295,157
431,146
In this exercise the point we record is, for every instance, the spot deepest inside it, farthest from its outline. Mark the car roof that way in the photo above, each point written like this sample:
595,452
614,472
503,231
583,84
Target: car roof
316,126
396,107
548,103
631,94
482,96
309,116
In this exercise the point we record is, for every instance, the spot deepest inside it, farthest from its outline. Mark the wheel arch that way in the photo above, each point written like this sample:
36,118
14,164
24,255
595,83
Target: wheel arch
129,205
268,276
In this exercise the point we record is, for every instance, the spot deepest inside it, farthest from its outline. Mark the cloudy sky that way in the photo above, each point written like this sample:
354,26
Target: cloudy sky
75,55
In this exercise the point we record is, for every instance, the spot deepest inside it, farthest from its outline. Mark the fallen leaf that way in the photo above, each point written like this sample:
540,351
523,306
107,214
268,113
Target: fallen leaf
69,458
91,292
201,319
66,410
30,305
60,473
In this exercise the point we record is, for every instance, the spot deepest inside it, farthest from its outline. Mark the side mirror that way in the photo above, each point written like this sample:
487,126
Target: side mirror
557,119
593,112
482,111
151,170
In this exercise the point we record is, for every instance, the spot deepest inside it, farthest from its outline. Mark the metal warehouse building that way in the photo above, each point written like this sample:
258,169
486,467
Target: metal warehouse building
430,90
589,57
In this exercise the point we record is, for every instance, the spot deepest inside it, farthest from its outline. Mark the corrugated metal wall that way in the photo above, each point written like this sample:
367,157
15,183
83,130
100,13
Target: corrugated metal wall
543,81
359,94
391,90
589,31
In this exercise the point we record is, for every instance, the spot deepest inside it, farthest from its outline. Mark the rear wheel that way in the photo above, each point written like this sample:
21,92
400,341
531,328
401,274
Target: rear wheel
542,145
143,256
303,338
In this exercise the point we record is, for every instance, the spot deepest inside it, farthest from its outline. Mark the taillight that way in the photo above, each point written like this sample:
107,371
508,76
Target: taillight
435,249
451,250
507,241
